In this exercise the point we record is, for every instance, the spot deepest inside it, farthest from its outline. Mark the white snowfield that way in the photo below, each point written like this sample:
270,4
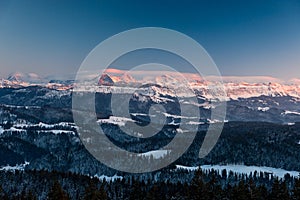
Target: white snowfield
243,169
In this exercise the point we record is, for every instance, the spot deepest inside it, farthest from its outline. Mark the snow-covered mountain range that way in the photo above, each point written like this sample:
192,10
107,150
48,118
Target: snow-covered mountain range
19,80
113,80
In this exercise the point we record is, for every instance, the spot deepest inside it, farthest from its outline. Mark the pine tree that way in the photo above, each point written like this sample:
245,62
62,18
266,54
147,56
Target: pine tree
263,192
296,190
275,190
254,192
56,192
241,191
30,196
212,186
103,194
154,193
198,189
91,192
2,194
284,193
279,191
136,193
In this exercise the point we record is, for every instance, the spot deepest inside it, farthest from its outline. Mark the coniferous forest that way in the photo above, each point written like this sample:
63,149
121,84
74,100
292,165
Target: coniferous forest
209,184
239,143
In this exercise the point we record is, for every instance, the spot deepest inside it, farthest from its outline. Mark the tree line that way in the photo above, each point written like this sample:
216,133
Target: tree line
209,184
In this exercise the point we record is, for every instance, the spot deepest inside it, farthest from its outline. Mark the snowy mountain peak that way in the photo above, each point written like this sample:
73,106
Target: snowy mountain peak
25,77
127,78
235,87
106,80
125,81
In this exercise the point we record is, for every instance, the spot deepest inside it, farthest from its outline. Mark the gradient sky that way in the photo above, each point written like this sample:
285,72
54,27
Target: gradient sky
243,37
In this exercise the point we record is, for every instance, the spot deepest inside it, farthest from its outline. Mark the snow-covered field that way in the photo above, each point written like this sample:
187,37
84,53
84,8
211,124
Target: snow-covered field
13,168
57,132
120,121
243,169
58,128
290,112
156,153
108,178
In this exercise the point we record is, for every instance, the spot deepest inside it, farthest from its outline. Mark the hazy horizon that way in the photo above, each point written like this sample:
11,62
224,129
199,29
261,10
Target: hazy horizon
226,78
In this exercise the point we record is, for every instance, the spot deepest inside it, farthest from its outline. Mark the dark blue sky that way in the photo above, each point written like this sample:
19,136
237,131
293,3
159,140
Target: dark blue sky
243,37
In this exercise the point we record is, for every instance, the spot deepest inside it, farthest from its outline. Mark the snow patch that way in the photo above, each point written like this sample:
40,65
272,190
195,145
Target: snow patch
20,167
263,109
290,124
157,154
186,167
121,121
290,112
14,129
108,178
195,123
56,132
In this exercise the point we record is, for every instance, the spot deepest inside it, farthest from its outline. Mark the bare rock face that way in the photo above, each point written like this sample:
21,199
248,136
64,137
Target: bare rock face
106,80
